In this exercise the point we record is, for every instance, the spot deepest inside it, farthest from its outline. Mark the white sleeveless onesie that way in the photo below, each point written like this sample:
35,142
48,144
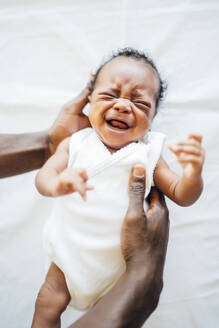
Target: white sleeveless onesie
83,237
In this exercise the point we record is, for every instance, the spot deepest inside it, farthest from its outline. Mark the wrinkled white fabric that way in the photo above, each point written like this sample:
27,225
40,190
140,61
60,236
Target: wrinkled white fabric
83,237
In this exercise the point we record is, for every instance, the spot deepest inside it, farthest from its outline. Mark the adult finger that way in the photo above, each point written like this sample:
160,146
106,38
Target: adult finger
157,224
156,198
135,220
156,202
137,187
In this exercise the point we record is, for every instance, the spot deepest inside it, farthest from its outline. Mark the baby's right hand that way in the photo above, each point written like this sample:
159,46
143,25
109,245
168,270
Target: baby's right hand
71,180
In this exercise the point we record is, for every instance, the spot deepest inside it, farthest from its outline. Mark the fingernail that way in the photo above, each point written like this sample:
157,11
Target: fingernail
138,171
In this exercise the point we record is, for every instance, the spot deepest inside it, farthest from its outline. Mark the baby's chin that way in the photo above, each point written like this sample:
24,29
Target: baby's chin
115,140
114,147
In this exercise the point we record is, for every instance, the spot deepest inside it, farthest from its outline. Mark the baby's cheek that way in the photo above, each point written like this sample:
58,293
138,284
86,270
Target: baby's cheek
145,127
141,129
145,122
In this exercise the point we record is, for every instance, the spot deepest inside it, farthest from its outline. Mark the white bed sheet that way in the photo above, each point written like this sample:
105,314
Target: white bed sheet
47,49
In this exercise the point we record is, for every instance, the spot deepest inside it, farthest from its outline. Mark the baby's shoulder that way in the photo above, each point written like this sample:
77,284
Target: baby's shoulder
78,144
155,137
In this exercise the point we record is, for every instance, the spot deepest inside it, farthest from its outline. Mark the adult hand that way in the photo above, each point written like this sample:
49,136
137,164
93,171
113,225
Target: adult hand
70,119
144,237
20,153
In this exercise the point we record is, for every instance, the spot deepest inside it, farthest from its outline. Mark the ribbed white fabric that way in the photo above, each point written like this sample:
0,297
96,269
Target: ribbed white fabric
83,237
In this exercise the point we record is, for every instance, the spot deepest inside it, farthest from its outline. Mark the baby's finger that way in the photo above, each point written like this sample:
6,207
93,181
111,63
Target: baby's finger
189,142
82,191
79,186
175,147
196,136
89,187
83,174
188,149
185,158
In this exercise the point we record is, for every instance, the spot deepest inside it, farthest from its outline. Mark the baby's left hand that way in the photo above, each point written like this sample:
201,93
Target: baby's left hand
190,154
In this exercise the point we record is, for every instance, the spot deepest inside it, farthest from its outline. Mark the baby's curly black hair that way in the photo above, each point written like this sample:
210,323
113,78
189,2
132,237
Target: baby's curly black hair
137,55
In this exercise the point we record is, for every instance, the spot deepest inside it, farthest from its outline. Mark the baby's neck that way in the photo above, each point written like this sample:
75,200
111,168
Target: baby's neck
114,150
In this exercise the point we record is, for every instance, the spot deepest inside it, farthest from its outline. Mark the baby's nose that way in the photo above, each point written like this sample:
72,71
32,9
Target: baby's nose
122,105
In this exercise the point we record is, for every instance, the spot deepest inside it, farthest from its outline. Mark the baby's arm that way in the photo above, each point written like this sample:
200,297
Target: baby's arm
184,190
55,179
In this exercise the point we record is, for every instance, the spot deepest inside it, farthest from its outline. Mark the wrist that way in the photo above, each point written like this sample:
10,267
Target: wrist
145,284
193,176
193,180
46,183
141,271
23,152
147,269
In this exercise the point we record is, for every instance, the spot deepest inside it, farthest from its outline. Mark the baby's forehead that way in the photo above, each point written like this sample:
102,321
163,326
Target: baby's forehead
123,70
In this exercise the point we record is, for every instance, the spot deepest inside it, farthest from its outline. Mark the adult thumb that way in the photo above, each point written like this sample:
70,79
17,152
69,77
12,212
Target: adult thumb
137,183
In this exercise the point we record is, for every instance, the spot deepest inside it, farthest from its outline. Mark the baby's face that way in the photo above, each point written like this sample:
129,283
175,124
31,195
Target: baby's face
123,102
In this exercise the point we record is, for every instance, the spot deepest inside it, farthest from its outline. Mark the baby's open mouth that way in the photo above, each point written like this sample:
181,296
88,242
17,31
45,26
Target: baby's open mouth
118,124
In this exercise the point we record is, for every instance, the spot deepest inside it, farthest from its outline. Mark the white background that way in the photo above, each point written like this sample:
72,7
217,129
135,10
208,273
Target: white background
47,50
